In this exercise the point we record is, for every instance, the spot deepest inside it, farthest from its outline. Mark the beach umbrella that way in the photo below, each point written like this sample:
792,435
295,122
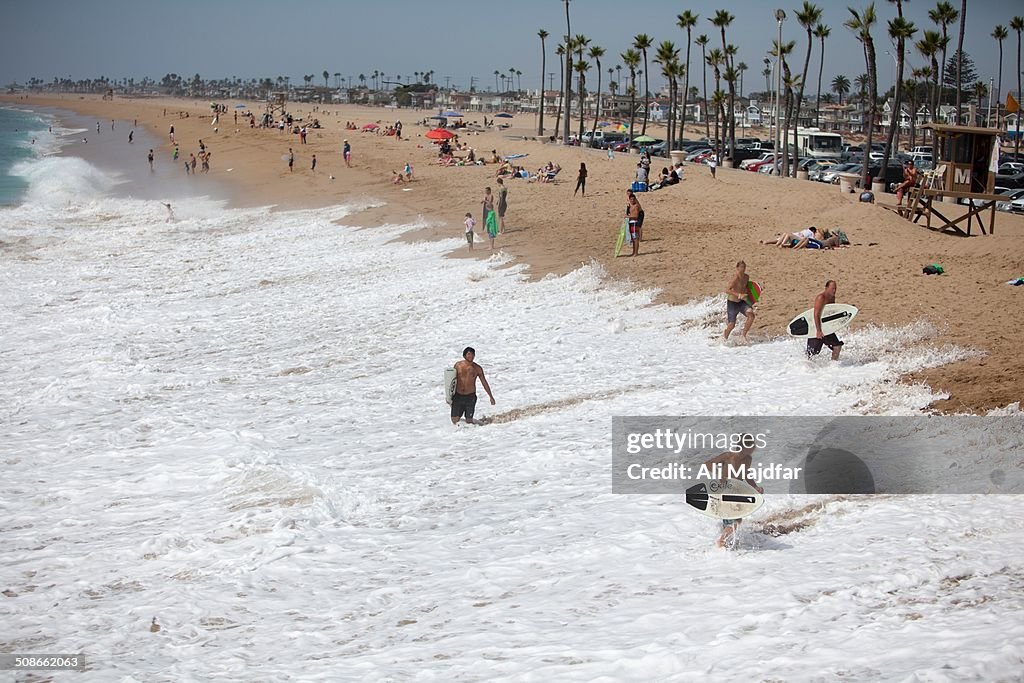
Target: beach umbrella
645,138
452,113
439,118
604,124
439,134
622,128
371,126
503,115
241,106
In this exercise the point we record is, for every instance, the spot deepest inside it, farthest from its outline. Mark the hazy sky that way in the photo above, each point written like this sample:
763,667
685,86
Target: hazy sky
256,38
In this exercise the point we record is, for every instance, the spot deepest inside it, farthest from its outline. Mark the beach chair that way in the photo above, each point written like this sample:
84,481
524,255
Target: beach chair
550,175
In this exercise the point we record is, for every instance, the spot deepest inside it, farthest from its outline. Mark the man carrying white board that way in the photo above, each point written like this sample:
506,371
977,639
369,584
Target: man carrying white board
815,343
734,461
464,398
737,293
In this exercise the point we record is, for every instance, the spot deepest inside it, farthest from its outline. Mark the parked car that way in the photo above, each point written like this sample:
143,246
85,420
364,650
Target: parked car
698,152
611,139
774,168
832,174
1011,197
747,163
819,167
1011,167
756,166
1004,205
1013,182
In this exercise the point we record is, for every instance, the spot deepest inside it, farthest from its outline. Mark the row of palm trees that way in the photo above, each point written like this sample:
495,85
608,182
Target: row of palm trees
574,51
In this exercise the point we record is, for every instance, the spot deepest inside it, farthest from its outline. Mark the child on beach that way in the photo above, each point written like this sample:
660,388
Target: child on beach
581,180
470,224
347,152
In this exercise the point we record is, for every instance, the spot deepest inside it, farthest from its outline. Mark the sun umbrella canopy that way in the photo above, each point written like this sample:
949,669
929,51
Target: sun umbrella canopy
440,134
622,128
604,124
371,126
645,138
503,115
452,113
439,118
241,106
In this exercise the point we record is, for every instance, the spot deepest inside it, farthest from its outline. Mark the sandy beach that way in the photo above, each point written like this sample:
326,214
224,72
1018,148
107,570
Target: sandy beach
693,233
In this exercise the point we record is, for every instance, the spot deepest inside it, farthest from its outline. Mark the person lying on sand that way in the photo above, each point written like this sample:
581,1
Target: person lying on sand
797,240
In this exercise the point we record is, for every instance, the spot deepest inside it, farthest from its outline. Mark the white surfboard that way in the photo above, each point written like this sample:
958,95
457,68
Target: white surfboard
834,317
729,499
449,385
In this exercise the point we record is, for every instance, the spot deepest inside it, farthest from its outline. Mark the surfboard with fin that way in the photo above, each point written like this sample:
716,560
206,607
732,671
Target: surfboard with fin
729,499
449,384
834,317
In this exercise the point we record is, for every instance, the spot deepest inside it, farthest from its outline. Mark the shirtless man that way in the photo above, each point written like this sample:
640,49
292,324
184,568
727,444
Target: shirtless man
728,459
814,344
737,292
466,374
909,180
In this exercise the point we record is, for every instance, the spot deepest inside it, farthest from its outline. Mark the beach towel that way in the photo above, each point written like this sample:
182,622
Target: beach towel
1016,283
492,224
933,269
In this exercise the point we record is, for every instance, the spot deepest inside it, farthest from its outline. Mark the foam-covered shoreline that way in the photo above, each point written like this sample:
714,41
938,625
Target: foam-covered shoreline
694,234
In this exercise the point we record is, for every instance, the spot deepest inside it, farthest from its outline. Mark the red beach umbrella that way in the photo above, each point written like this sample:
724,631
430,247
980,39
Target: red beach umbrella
439,134
371,126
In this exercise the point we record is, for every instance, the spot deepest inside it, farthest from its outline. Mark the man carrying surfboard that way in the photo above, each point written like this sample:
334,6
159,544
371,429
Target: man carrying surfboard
814,344
464,398
735,460
737,292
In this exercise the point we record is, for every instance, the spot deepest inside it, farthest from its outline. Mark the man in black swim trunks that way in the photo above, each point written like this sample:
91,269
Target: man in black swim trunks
737,292
815,343
464,398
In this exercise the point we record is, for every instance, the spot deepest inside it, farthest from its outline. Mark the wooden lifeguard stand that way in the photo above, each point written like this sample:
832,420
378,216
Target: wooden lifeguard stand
964,167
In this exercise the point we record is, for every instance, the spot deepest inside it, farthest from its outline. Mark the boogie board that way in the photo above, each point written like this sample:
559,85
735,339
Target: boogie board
834,317
729,499
449,385
621,238
754,290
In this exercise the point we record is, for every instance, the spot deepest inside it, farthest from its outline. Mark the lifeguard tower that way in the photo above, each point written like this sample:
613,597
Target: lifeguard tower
965,165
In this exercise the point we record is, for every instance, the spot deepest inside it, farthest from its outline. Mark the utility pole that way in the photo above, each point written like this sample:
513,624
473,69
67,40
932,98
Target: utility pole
472,83
447,80
551,80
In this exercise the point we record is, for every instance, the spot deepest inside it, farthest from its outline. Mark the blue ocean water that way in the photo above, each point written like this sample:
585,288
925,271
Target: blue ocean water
18,130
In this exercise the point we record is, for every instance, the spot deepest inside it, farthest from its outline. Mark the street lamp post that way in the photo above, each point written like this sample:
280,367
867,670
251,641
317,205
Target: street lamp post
780,16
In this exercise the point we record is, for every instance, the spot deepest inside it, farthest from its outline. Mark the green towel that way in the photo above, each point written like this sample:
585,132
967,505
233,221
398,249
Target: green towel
492,224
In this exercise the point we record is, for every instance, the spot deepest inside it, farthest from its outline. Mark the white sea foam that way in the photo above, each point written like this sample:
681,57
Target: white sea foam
235,423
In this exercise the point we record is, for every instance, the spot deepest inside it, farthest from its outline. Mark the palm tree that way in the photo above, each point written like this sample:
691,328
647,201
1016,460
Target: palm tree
860,24
579,43
519,80
821,31
722,20
542,34
999,33
900,30
496,74
741,67
687,20
808,17
702,40
929,46
718,99
595,53
960,56
668,57
567,83
581,67
631,58
980,93
910,86
944,14
560,51
1017,24
789,82
925,76
715,59
641,42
